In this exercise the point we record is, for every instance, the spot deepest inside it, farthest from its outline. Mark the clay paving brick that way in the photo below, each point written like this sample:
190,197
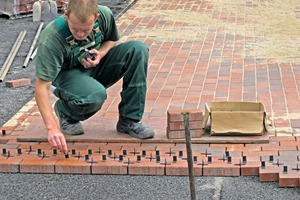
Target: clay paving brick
114,163
37,165
252,158
153,146
234,153
219,166
138,148
72,165
26,145
124,153
286,147
195,155
9,146
31,155
260,153
11,164
212,147
269,158
291,177
95,151
112,154
279,162
215,153
116,146
18,83
282,138
181,134
289,156
178,126
14,142
273,143
164,146
46,153
142,152
71,146
20,128
42,146
16,132
32,118
289,143
235,147
195,147
162,153
251,148
132,151
34,146
10,137
146,167
130,146
4,132
181,168
7,129
289,153
24,116
94,146
10,125
250,169
221,169
177,116
79,154
269,173
109,166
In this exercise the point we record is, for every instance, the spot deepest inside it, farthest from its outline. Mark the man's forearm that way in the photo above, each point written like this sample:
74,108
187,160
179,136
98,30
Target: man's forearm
106,46
55,137
44,104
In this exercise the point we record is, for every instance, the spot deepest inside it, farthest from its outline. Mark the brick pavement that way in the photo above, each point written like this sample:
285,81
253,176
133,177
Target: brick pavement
200,51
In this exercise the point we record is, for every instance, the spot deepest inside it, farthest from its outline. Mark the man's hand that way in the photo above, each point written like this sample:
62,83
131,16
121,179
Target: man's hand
57,140
55,137
98,55
88,62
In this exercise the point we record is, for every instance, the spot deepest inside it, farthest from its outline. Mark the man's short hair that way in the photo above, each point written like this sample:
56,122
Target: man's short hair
83,9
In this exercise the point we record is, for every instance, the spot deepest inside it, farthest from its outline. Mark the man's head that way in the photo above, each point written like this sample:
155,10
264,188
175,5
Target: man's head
81,15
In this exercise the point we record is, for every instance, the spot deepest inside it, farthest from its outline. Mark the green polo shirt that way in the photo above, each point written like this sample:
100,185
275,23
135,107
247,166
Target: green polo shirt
54,53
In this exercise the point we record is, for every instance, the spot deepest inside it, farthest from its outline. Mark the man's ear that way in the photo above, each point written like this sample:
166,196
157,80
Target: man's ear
97,16
66,14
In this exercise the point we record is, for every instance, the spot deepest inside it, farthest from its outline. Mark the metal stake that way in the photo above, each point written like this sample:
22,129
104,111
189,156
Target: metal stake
189,155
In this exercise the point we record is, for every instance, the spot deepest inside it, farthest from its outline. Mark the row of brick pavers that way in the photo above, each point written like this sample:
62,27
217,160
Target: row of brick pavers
277,160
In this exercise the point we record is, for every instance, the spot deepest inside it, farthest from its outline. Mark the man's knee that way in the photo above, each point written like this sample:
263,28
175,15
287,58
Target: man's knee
96,100
91,103
138,48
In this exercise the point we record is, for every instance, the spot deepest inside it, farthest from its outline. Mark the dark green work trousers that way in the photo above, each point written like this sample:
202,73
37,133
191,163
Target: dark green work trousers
82,92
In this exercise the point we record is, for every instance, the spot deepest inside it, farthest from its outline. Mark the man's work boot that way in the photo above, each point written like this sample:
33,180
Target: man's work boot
135,129
67,125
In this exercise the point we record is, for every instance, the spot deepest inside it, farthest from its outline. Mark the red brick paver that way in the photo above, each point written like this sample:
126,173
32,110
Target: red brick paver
18,83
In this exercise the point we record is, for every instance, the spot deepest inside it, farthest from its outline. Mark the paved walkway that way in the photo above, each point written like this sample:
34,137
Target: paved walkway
200,51
204,51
